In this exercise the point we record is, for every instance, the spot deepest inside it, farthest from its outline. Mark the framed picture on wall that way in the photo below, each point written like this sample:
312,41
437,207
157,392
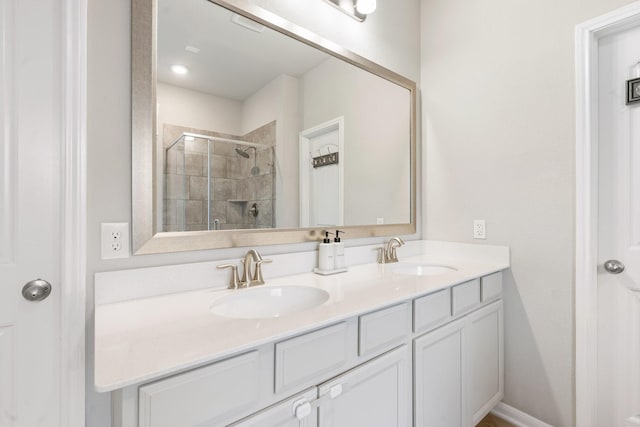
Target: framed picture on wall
633,91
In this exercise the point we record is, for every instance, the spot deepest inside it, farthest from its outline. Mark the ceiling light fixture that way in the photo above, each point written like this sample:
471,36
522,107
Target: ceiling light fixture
179,69
357,9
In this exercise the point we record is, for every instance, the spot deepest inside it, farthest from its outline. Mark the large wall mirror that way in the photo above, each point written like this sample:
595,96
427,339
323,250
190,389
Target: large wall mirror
249,130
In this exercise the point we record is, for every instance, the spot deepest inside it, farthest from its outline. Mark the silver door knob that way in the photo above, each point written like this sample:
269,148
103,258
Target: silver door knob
36,290
614,266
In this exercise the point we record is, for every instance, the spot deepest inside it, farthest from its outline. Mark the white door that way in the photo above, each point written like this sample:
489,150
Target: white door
485,364
618,379
324,181
375,394
439,369
30,142
321,186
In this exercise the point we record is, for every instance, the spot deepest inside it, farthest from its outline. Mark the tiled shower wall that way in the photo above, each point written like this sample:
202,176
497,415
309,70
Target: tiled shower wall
234,189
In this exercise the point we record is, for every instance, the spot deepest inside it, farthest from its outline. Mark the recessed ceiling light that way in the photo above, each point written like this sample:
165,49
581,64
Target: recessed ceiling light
179,69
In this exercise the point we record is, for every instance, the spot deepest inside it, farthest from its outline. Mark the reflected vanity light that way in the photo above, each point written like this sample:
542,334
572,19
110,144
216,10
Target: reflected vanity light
366,6
179,69
357,9
247,23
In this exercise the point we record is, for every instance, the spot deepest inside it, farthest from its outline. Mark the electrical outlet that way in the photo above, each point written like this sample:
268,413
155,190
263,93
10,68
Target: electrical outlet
115,240
380,221
479,229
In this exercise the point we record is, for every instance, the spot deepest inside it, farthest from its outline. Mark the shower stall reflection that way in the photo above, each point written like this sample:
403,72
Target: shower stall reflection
216,183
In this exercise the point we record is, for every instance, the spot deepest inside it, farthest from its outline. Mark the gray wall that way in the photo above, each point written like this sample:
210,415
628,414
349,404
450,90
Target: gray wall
109,132
498,101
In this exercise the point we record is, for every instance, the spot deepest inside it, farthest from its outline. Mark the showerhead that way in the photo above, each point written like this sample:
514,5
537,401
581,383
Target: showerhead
255,170
243,153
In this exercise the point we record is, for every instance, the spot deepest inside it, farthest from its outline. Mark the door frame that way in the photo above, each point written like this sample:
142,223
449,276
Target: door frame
73,208
587,36
305,139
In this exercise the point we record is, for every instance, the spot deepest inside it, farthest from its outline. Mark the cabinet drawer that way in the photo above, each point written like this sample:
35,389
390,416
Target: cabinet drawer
309,358
212,395
431,310
383,329
491,287
465,297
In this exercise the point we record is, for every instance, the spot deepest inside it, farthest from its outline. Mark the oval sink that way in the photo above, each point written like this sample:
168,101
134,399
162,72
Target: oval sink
423,269
268,302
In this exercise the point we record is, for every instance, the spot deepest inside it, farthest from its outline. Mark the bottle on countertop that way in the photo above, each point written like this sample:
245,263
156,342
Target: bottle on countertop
339,261
326,254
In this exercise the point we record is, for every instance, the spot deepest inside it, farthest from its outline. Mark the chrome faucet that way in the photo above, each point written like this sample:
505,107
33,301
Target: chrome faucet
388,254
251,257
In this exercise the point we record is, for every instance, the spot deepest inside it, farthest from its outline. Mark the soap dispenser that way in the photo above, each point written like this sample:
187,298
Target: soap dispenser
325,254
339,262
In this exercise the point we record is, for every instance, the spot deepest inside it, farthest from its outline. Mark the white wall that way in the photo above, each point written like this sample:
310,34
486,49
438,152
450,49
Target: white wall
278,100
190,108
109,123
498,102
376,136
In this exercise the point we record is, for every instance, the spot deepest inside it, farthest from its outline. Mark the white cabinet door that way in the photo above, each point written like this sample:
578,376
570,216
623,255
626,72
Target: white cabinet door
375,394
485,360
439,368
283,414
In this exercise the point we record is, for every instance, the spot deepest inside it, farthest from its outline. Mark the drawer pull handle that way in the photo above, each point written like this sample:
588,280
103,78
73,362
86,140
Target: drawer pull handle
302,408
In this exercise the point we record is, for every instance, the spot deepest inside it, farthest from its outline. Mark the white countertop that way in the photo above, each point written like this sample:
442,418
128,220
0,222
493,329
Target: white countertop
141,339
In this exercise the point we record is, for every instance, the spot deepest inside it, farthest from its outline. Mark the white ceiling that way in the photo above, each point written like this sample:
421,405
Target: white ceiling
234,62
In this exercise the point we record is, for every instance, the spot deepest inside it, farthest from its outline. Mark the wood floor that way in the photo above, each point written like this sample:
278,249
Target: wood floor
493,421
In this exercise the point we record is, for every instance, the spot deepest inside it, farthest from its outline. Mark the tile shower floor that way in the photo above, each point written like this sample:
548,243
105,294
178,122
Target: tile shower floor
493,421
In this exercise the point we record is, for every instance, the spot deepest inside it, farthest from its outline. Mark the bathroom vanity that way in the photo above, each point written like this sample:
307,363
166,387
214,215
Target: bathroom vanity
419,342
415,342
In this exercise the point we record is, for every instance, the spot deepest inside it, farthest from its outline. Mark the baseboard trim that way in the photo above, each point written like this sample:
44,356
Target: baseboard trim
517,417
